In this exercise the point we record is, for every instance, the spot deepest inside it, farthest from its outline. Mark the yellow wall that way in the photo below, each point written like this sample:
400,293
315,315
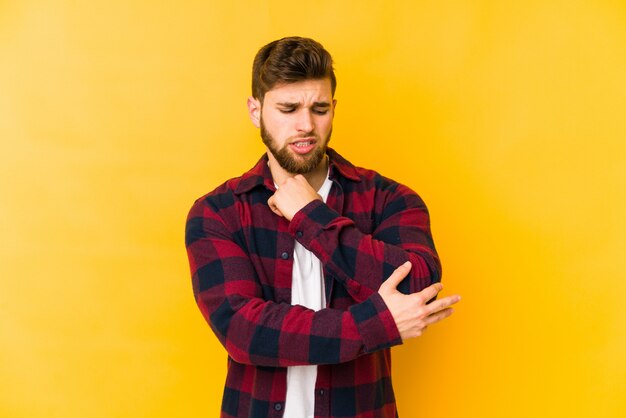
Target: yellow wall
509,118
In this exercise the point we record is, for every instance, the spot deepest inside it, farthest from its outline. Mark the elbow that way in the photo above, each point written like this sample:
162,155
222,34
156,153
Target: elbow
425,272
236,354
428,264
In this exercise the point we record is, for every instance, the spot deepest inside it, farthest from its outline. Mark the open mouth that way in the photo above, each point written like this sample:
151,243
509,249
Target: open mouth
303,146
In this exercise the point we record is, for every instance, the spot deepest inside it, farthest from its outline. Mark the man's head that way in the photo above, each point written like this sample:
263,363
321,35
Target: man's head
293,86
288,60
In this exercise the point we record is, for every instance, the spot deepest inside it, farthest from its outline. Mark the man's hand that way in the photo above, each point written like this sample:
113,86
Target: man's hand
291,196
412,313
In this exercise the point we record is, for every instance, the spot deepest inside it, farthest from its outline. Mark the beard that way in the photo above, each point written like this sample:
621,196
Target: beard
293,163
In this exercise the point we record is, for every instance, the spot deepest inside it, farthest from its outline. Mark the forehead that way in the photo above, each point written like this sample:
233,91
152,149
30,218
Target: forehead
301,91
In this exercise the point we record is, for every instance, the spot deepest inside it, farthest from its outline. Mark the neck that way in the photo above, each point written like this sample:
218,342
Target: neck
315,177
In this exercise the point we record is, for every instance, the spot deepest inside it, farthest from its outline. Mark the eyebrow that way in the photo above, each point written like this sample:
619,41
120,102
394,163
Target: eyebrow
315,104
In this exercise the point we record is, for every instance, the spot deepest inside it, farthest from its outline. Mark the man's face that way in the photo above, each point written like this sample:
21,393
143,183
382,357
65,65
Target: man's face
296,123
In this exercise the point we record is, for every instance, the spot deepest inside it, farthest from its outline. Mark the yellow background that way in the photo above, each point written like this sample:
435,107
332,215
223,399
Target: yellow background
508,118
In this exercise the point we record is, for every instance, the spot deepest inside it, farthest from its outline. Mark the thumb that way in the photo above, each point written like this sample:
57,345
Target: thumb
396,277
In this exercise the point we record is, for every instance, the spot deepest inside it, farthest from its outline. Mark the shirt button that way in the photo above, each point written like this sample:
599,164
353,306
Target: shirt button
284,256
299,234
278,406
321,392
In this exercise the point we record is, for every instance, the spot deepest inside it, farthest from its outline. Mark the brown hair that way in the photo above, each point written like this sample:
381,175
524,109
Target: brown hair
288,60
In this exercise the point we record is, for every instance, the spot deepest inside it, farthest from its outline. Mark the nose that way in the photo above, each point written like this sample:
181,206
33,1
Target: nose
305,121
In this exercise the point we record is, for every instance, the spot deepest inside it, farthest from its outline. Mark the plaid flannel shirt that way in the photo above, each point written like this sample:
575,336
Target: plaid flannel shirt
241,257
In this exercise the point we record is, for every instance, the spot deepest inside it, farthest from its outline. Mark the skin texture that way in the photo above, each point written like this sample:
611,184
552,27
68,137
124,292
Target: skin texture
303,112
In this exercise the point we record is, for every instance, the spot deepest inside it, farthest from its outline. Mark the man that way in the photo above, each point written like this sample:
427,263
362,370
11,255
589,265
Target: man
295,264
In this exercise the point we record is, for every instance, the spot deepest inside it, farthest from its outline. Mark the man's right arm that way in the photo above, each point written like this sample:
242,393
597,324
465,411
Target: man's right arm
407,213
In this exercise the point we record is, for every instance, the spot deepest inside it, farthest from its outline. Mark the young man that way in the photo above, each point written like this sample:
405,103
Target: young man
296,264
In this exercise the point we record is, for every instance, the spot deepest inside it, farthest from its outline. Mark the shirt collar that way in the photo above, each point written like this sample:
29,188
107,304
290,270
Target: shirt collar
260,174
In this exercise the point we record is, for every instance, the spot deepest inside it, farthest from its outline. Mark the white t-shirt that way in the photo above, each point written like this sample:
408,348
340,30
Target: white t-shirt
307,289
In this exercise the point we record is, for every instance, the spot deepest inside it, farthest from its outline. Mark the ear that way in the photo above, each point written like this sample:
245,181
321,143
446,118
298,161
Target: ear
254,111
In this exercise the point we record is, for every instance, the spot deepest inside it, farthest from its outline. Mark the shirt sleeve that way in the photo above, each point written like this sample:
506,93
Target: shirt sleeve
362,261
254,329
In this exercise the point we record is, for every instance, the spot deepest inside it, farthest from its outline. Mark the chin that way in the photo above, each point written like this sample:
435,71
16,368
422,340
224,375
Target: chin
298,164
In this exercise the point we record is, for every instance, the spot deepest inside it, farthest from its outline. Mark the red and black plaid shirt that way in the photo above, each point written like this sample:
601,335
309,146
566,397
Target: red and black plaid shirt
241,257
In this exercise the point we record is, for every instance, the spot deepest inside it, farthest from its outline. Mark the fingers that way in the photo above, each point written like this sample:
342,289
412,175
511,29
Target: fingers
396,277
296,181
430,292
442,304
438,316
412,313
440,309
292,195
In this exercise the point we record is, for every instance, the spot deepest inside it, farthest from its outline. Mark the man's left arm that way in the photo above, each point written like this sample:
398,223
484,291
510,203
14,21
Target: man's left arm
360,261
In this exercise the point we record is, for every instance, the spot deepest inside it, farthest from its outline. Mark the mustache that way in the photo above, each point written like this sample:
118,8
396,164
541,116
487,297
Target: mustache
304,136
